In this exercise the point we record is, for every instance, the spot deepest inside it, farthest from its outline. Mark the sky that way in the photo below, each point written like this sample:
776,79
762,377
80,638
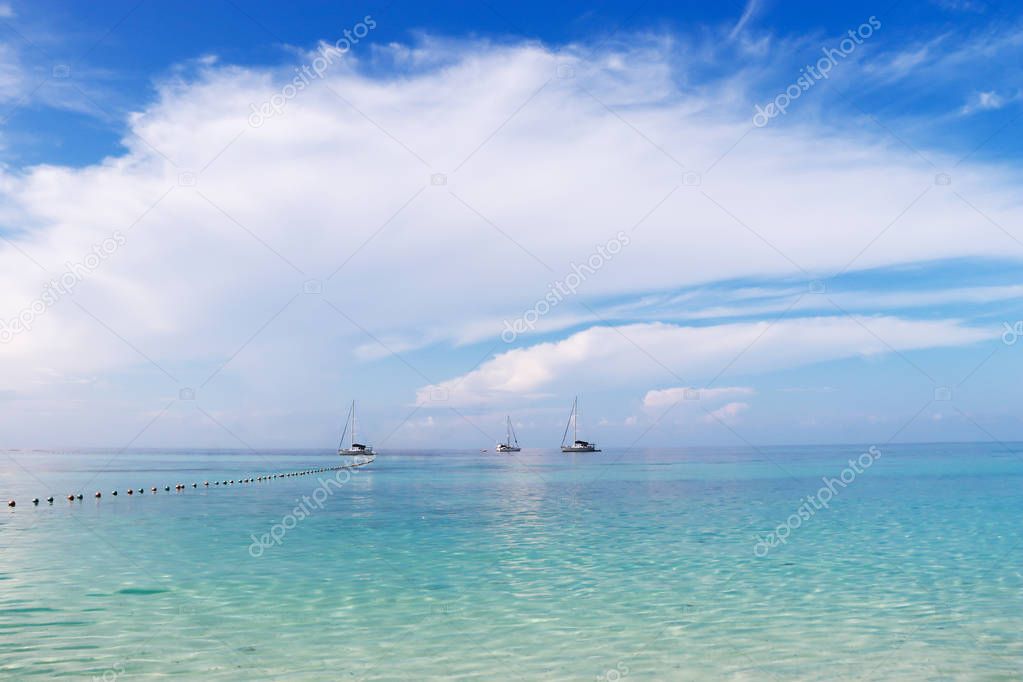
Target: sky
717,224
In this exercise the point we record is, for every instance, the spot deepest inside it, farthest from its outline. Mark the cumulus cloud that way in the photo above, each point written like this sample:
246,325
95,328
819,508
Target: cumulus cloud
728,413
621,356
425,188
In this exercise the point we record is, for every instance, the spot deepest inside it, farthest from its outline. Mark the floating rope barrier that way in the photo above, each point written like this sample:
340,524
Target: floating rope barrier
181,487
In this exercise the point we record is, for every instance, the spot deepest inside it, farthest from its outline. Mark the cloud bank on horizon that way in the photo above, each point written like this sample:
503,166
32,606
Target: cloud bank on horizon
275,240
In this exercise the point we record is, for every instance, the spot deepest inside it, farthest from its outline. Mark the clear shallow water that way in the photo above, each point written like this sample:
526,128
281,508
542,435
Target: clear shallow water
482,566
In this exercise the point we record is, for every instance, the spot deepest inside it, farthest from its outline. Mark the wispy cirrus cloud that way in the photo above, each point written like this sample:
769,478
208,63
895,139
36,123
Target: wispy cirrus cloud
748,12
669,396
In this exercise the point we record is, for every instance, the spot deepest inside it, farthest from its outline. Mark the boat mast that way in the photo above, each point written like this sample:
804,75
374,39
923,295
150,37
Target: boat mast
568,424
511,437
353,422
344,432
575,420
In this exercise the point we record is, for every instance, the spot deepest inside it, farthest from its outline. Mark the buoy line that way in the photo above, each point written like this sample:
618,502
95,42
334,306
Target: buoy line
180,487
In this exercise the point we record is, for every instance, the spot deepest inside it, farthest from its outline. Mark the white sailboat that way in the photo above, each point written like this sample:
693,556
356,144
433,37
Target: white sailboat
511,441
354,449
577,445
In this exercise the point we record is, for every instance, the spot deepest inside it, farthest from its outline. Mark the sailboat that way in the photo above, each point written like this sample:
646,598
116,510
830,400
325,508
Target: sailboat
511,442
354,449
577,445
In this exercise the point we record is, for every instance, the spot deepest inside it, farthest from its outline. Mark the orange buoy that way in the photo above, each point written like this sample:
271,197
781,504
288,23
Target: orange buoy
71,498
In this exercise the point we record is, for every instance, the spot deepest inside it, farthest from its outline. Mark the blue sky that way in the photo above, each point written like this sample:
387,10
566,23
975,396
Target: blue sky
844,272
112,47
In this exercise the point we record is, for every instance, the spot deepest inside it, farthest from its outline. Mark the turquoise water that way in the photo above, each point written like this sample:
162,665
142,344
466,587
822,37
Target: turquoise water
473,566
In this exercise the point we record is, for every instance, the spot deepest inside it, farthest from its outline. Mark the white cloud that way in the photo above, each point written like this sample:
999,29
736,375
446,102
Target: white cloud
808,389
602,357
765,302
961,5
747,13
538,171
670,396
988,101
728,413
13,82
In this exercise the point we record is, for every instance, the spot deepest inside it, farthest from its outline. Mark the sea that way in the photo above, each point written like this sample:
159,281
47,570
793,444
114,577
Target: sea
843,562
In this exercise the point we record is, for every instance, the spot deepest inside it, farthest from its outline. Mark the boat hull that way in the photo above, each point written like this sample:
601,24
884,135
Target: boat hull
349,452
507,448
572,448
